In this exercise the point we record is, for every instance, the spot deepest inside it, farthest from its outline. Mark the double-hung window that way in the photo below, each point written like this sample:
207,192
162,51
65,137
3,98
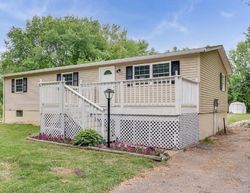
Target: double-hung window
153,70
223,82
141,72
68,78
19,85
161,70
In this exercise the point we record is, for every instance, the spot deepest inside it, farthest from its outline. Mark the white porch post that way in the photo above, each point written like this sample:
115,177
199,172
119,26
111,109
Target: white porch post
41,107
178,93
61,94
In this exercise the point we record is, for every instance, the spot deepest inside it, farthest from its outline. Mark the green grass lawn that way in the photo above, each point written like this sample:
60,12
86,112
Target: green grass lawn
231,118
27,167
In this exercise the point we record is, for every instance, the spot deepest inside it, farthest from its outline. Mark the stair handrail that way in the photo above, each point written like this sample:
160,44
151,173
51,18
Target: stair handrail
84,98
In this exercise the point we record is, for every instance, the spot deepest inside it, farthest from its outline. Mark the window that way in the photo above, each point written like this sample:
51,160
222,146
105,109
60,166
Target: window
19,85
222,82
19,113
68,78
175,67
142,72
107,72
129,72
160,70
71,78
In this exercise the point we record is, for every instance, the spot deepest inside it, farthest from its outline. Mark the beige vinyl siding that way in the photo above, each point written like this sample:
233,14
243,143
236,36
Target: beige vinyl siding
210,68
29,101
88,75
189,66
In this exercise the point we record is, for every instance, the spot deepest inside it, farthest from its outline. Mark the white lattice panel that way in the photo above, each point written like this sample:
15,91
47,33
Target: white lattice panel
155,131
71,127
189,129
52,124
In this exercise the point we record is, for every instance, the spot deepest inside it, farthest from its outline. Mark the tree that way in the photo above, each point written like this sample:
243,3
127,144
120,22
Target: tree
50,42
239,82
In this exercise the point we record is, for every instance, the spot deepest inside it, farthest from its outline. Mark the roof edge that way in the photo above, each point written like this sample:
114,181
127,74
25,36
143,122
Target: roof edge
123,60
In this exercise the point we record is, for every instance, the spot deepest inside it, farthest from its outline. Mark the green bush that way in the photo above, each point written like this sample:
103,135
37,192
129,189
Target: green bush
88,137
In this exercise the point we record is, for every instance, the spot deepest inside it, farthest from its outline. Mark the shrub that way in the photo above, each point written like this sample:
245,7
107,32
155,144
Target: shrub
87,137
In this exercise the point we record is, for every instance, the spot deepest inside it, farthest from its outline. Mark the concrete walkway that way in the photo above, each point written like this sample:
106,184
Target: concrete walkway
223,167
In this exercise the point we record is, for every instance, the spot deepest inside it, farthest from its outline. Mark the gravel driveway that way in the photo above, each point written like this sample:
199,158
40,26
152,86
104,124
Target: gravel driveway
222,167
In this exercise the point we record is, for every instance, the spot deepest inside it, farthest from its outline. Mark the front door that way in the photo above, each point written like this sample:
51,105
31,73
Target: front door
106,75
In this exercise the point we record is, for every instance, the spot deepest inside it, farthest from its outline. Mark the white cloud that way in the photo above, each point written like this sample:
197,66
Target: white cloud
226,14
170,24
22,11
173,22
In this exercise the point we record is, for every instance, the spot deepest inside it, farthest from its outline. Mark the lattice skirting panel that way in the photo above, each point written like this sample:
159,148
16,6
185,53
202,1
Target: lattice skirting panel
155,131
189,129
59,125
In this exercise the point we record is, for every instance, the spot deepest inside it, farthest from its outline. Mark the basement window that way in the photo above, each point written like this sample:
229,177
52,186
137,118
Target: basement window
19,113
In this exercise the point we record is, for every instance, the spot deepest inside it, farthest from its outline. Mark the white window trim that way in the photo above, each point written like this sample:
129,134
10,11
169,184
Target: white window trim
72,73
15,85
151,68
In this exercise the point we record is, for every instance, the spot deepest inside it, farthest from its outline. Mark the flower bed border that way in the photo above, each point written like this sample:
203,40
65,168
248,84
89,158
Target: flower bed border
153,157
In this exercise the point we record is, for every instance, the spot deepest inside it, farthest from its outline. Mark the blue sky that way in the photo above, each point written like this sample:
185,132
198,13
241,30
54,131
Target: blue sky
163,23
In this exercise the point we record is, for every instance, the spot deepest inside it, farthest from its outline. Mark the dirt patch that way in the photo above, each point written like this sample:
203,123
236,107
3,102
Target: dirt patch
222,167
5,171
61,171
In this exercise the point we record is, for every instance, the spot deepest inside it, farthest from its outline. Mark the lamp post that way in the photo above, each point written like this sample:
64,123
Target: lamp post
109,94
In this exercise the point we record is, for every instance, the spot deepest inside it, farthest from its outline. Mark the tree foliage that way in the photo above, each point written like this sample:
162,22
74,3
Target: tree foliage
50,42
239,89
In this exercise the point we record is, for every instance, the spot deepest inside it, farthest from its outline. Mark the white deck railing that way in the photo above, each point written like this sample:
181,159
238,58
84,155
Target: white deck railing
64,111
171,91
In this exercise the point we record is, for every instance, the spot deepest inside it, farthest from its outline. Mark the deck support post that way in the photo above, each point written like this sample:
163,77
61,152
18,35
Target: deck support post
178,93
